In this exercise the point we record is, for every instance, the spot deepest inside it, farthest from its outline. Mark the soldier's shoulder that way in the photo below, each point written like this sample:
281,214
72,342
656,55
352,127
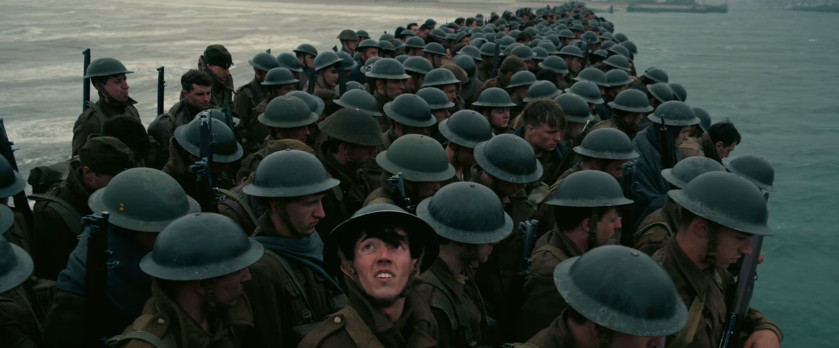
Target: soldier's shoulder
330,330
148,330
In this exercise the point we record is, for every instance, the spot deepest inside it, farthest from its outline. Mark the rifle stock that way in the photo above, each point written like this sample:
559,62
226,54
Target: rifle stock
161,86
396,184
627,213
740,302
95,278
528,230
86,81
203,168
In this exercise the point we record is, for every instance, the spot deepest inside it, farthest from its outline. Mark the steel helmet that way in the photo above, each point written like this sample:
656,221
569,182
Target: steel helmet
440,77
471,51
306,48
608,144
631,100
555,64
689,168
589,188
509,158
466,128
618,62
575,108
11,182
105,67
593,75
15,263
264,61
347,35
142,199
419,158
522,78
326,59
656,75
290,62
571,51
704,118
314,102
388,69
278,77
586,90
494,97
466,212
754,168
417,64
674,113
435,97
617,77
289,173
680,91
541,90
225,147
661,92
410,110
287,112
359,99
352,126
435,49
200,246
347,61
466,63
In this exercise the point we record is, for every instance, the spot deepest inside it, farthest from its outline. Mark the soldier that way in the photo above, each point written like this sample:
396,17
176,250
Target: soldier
627,111
469,65
506,164
661,223
543,122
349,42
196,94
135,220
288,118
326,68
585,210
717,143
305,54
186,150
444,80
366,49
414,168
590,92
517,89
719,215
409,114
21,316
638,308
414,46
509,67
555,71
469,220
573,59
463,131
579,117
250,131
387,79
197,298
416,68
756,169
658,146
494,103
11,183
253,93
108,78
439,104
216,62
361,100
379,251
59,212
289,282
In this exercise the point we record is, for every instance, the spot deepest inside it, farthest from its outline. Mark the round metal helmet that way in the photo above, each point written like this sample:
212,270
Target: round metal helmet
466,212
589,188
142,199
225,147
578,27
523,52
353,126
540,53
287,112
600,53
466,128
368,65
607,36
362,33
586,90
555,64
618,62
593,75
347,61
307,49
325,60
386,37
674,113
509,158
661,92
15,263
572,51
380,216
410,110
11,182
279,76
385,45
264,61
435,97
435,49
488,49
440,77
466,63
576,109
621,37
704,118
105,67
620,50
657,75
419,158
522,78
727,199
754,168
640,299
680,91
289,173
290,62
549,46
590,37
631,100
369,43
494,97
505,41
417,64
608,144
200,246
402,58
541,90
360,100
689,168
617,78
630,46
347,35
387,69
396,45
607,45
566,34
314,102
415,42
471,51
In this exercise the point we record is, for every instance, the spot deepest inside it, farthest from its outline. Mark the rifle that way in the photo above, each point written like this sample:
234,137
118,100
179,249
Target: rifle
312,81
396,184
740,302
95,279
21,203
86,81
342,80
496,60
666,147
627,216
161,86
228,116
203,168
528,230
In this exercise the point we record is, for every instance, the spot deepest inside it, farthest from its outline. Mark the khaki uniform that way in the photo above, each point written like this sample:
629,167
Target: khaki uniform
616,124
20,319
657,228
92,120
543,303
288,292
384,121
246,98
501,81
57,223
703,146
252,133
340,202
557,335
704,293
163,127
380,195
361,324
545,212
242,208
164,319
328,95
457,306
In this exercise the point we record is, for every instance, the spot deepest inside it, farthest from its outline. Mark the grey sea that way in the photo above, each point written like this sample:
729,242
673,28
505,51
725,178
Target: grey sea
771,72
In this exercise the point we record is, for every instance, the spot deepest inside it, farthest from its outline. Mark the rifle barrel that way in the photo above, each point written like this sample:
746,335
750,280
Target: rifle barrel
86,81
161,86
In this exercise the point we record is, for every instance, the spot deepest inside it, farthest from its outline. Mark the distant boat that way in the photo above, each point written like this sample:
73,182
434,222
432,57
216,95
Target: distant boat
814,8
683,8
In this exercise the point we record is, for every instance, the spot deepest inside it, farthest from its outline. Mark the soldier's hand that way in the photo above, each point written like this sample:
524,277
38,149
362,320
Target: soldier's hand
763,339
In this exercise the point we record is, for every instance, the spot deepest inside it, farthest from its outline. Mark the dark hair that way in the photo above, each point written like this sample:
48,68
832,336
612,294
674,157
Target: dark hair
543,111
470,20
568,218
194,77
547,75
409,25
459,20
130,132
386,231
523,37
724,131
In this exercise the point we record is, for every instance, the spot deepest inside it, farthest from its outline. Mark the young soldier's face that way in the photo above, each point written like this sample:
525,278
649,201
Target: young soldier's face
383,269
228,288
731,246
117,87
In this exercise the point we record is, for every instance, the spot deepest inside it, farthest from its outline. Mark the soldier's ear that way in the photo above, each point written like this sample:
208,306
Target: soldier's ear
347,268
586,225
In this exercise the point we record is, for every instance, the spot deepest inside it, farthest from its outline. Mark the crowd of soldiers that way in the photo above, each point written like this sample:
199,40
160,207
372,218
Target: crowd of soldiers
371,196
